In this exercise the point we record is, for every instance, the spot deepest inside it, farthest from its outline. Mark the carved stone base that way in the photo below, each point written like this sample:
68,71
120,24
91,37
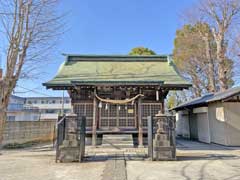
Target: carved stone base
69,150
69,154
164,147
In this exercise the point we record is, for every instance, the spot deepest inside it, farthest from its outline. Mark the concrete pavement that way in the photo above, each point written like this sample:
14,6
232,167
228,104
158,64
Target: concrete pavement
195,161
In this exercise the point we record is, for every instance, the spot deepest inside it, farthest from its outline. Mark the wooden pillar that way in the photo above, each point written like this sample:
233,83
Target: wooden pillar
70,93
163,107
140,128
162,102
94,124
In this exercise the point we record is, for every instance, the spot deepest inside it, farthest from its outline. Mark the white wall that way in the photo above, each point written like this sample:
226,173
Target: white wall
201,115
217,123
49,116
232,120
182,124
52,106
24,116
203,127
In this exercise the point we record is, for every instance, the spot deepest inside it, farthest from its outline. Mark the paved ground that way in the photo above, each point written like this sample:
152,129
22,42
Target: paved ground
39,164
195,161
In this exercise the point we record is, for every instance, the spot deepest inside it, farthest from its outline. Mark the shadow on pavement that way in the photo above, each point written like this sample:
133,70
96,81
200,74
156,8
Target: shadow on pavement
185,144
192,157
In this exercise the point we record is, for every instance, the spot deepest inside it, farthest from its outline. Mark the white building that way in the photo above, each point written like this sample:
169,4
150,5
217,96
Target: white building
19,111
37,108
213,118
50,107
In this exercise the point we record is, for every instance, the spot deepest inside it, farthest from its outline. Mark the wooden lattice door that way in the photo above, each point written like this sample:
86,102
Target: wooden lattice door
149,109
85,109
117,116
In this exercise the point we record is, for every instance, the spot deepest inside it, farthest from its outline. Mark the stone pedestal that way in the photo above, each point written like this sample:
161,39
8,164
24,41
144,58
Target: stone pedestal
164,147
69,150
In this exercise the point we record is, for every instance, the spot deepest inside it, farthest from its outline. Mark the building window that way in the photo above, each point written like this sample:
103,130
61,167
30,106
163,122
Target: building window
67,101
42,102
29,102
50,111
11,118
35,102
66,111
36,118
53,101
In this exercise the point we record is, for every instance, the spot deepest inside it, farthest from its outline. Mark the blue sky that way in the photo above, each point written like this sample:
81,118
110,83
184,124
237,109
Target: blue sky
112,27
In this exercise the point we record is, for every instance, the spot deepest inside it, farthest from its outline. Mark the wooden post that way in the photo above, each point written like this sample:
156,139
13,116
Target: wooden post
140,129
163,96
150,137
94,124
163,108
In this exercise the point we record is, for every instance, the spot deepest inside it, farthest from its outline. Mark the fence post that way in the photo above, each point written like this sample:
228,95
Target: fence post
150,137
57,139
82,138
54,135
60,130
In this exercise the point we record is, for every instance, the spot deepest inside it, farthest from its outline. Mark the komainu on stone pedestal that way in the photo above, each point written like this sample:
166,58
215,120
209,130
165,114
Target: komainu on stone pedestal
69,150
164,147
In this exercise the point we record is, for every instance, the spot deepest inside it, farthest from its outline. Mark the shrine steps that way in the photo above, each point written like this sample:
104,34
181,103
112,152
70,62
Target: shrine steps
117,141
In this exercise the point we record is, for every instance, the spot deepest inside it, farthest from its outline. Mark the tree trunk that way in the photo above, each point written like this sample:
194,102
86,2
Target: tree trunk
3,117
6,88
197,91
222,72
211,76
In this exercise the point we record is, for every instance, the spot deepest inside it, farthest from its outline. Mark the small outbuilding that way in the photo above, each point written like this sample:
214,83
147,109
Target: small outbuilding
213,118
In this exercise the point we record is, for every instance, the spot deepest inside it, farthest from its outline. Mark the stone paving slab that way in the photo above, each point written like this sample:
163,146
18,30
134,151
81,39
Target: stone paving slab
115,170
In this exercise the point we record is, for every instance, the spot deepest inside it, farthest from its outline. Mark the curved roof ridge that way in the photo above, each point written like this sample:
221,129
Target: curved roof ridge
88,57
114,55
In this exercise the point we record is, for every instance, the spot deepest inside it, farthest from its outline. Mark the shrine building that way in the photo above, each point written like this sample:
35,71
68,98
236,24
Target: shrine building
116,93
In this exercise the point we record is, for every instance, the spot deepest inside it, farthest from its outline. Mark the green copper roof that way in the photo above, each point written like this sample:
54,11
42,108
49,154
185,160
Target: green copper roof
93,69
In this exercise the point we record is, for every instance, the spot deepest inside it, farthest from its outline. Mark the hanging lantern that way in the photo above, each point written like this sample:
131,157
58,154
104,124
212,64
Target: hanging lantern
125,107
106,107
157,95
100,105
119,107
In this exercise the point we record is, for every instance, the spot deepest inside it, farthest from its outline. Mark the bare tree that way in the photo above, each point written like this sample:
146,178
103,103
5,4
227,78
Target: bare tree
221,15
30,29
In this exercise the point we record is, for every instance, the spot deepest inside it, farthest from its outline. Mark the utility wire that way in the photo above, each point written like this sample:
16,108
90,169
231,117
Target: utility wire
36,92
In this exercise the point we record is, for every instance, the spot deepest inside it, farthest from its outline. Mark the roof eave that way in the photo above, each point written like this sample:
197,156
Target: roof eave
224,98
189,107
50,85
